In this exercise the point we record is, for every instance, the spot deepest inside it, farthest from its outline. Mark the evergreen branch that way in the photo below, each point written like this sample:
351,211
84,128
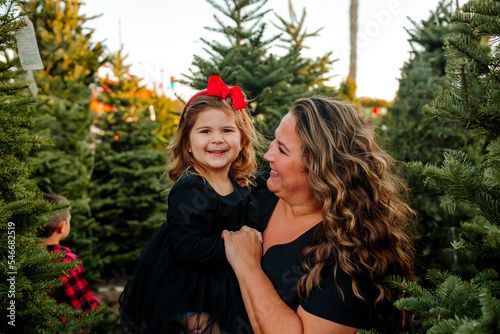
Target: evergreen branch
464,84
461,45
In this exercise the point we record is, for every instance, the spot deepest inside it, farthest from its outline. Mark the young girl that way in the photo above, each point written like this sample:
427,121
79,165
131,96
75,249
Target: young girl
182,281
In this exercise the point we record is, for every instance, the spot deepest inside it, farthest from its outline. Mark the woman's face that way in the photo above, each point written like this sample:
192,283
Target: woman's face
289,179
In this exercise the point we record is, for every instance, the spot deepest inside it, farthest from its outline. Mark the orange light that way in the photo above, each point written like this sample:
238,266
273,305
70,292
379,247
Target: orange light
116,137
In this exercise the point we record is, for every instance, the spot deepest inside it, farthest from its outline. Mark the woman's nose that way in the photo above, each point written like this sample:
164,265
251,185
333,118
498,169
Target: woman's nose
268,155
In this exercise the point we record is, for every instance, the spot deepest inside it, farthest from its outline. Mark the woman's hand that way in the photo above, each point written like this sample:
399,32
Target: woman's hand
243,248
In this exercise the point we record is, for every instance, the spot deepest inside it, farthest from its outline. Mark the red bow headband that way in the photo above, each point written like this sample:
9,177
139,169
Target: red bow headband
216,87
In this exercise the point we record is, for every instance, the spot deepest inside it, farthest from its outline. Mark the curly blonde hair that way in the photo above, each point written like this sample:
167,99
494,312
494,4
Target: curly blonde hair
367,225
242,169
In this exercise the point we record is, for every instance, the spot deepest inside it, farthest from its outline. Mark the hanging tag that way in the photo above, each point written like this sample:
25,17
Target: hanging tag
28,48
32,83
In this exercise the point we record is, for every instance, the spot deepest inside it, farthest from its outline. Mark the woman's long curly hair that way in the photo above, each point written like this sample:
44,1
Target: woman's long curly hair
367,226
242,169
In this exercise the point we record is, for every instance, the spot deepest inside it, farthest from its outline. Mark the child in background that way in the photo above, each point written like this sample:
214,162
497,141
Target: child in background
75,290
182,281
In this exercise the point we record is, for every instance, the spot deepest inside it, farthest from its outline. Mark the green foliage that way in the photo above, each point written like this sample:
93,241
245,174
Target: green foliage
416,137
365,331
167,115
474,95
127,200
295,29
461,181
472,99
456,305
348,89
270,82
27,271
62,113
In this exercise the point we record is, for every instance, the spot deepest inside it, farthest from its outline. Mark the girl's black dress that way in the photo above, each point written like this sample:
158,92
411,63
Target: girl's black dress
183,268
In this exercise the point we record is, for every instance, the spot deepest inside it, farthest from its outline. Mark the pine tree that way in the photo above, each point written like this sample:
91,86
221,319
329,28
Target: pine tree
415,137
313,73
457,305
27,271
62,113
267,79
127,200
167,113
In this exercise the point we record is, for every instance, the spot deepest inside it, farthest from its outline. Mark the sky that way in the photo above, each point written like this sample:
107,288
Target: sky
162,36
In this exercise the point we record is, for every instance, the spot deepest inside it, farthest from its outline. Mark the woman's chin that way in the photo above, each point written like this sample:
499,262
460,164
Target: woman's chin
271,184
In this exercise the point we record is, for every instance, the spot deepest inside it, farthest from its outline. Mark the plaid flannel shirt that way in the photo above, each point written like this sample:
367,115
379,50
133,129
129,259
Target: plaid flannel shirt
75,290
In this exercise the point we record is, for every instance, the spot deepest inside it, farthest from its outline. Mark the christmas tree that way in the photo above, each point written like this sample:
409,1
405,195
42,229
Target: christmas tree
313,72
127,200
458,305
167,113
271,82
27,271
415,137
62,113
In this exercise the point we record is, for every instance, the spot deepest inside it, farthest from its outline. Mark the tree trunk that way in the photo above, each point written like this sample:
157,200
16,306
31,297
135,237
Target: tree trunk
353,15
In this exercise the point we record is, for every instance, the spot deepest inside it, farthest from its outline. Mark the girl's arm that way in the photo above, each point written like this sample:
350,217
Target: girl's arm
191,217
267,312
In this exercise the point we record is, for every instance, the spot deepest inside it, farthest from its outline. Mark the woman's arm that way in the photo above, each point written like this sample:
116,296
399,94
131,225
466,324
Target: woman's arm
267,312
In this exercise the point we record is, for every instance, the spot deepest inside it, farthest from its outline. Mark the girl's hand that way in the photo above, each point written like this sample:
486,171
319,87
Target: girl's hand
243,248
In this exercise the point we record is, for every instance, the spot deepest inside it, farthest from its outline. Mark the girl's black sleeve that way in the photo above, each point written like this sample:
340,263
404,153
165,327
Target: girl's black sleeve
191,208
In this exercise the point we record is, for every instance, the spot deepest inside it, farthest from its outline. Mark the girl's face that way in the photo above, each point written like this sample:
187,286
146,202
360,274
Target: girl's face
289,179
215,141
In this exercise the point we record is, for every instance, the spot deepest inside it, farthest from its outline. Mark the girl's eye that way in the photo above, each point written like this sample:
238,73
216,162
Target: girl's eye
228,130
205,131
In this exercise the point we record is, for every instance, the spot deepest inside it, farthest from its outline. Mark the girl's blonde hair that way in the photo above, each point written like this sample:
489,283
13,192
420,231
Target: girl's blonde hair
367,226
242,169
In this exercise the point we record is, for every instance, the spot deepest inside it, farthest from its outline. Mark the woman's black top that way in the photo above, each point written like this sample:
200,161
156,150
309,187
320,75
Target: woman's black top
281,264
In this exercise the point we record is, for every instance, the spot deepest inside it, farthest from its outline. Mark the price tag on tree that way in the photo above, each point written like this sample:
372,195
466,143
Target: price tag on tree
28,48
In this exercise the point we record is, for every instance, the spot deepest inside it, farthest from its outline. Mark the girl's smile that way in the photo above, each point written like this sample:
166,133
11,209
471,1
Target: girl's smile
215,141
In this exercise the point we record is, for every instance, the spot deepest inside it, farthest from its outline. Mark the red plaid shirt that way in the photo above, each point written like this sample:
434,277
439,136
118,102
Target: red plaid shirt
75,290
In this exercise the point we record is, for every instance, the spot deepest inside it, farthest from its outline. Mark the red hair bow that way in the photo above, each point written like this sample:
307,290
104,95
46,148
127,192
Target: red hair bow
216,87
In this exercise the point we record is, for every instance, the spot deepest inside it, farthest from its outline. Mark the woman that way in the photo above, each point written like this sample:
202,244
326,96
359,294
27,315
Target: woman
335,231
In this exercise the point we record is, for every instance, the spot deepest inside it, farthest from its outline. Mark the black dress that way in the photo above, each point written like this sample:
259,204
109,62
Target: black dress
281,264
183,268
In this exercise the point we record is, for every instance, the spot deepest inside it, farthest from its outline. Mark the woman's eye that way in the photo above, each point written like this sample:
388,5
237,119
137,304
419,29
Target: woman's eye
281,151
